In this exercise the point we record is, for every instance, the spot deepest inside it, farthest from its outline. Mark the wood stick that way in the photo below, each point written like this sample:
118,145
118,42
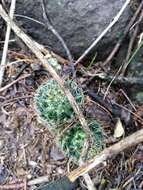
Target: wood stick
34,48
5,49
117,46
13,82
116,18
108,153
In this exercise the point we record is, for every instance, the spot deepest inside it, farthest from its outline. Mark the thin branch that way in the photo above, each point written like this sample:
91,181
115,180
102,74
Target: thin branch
55,32
140,38
104,32
128,81
117,46
5,49
10,41
134,54
13,82
130,48
115,76
30,18
107,153
131,45
128,99
44,61
9,101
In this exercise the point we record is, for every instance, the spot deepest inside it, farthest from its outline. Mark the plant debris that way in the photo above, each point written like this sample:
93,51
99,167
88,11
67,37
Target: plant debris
27,147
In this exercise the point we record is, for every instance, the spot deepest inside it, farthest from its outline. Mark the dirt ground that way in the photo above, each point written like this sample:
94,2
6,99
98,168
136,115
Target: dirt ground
27,150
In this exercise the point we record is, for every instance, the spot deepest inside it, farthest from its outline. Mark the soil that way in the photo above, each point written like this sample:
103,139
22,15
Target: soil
27,148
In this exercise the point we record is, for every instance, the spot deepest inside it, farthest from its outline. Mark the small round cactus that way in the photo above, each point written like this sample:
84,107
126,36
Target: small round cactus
53,106
73,139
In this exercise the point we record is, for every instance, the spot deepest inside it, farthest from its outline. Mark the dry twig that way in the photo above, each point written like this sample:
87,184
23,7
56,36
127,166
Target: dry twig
13,82
44,61
108,153
131,45
117,46
116,18
4,55
7,102
58,36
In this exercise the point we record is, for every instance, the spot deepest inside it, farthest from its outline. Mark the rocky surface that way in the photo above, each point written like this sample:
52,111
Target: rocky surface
79,22
135,69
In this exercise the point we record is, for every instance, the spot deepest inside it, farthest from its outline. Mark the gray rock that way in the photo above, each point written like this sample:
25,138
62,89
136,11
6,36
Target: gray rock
79,22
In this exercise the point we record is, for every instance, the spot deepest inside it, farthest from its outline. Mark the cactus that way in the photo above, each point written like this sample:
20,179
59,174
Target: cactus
53,106
73,139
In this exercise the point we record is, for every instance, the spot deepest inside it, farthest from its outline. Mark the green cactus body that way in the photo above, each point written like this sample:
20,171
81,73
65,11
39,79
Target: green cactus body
73,140
53,106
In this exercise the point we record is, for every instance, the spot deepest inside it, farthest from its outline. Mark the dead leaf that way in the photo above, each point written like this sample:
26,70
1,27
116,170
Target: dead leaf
119,129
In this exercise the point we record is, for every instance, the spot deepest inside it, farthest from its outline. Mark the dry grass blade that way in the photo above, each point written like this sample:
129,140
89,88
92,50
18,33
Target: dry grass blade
127,62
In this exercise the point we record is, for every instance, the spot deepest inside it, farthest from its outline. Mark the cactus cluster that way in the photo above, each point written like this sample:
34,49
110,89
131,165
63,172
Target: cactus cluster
54,108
